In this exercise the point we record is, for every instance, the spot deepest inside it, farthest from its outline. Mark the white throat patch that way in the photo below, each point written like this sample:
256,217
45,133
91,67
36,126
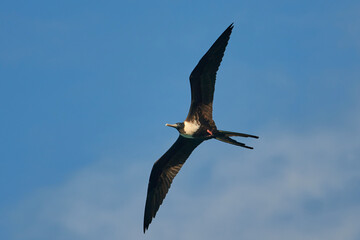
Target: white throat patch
191,127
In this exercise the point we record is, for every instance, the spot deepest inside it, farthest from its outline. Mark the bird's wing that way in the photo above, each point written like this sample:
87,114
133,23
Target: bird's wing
202,78
163,172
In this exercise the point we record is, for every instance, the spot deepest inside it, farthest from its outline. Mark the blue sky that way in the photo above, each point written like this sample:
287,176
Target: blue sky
86,88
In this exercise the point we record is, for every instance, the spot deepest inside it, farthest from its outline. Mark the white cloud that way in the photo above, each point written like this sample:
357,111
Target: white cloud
292,186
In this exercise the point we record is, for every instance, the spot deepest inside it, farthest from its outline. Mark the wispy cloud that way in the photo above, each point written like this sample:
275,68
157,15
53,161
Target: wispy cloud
293,186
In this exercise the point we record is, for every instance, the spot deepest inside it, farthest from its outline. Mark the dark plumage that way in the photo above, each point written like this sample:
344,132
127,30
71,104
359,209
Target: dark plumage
198,127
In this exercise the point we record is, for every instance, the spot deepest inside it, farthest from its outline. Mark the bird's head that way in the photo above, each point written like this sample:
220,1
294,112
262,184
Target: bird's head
179,126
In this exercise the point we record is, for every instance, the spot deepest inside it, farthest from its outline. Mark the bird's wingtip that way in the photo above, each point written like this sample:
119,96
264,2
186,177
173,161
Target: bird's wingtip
145,227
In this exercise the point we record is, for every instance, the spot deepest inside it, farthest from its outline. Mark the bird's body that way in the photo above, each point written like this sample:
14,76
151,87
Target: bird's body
199,126
192,128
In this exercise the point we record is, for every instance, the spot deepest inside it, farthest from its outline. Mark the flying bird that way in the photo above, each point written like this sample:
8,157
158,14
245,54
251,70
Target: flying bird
198,126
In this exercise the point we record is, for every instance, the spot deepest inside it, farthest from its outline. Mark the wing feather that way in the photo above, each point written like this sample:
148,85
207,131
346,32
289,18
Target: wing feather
202,78
163,173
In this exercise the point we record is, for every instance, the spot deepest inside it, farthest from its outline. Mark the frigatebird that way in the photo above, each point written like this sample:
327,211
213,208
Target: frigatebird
199,126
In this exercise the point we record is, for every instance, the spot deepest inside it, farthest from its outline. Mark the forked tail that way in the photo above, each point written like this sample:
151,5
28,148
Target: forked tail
224,136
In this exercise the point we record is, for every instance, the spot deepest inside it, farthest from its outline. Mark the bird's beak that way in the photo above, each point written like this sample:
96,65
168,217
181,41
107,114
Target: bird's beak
171,125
